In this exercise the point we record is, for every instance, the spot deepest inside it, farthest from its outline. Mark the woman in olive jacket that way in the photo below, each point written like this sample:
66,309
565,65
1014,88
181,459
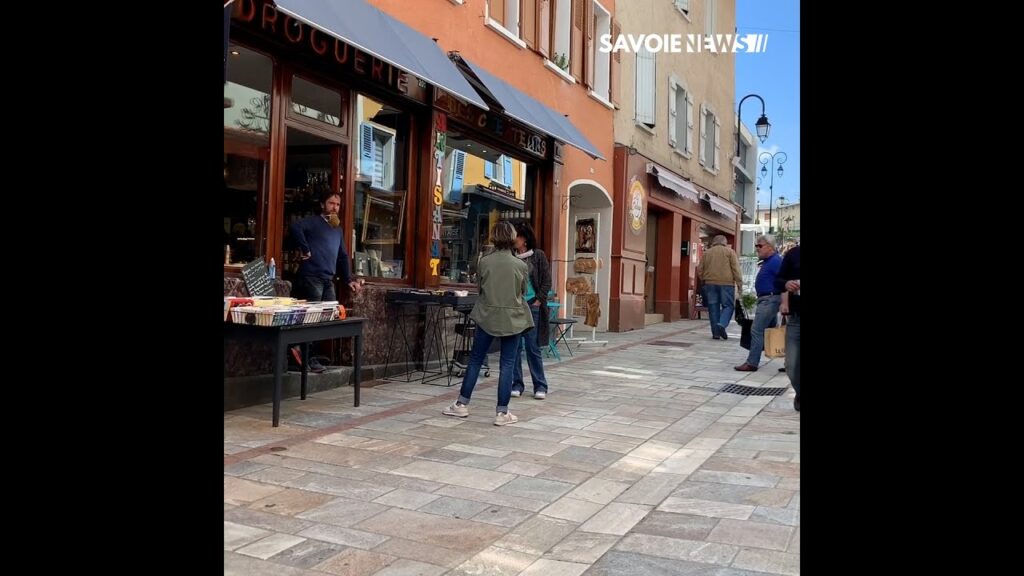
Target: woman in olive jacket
500,312
537,298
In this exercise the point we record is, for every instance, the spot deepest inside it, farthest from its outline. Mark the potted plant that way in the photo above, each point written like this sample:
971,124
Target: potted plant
749,303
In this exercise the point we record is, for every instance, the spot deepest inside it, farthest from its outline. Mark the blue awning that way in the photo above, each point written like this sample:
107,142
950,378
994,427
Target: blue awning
374,32
525,109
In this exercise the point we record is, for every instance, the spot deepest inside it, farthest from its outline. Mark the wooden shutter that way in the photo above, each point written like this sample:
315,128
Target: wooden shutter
646,89
673,133
458,168
616,59
718,143
588,48
366,150
496,11
528,22
506,171
702,153
689,123
577,41
544,28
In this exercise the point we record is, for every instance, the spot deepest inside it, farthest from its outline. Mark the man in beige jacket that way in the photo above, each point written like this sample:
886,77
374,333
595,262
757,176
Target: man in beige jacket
719,272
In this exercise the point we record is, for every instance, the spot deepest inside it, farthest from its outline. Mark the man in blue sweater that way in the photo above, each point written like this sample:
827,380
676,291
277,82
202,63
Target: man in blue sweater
768,300
320,240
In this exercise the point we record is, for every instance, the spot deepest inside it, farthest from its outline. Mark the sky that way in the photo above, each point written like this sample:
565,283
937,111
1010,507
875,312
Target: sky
775,76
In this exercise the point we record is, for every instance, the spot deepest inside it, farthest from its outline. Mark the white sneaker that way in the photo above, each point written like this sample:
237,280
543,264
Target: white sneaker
456,410
540,395
516,393
505,418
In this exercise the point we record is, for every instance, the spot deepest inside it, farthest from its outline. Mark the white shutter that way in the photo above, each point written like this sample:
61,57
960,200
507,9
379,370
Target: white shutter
718,142
645,87
506,171
683,5
709,17
703,137
689,123
672,134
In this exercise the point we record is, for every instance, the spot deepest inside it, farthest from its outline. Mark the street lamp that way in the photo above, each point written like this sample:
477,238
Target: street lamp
764,159
762,124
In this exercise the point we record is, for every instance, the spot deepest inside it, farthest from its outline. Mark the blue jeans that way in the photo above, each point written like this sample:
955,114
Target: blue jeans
793,351
766,316
481,342
533,358
721,300
316,289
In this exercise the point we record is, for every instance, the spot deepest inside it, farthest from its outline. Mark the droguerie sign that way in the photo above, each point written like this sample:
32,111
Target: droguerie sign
263,17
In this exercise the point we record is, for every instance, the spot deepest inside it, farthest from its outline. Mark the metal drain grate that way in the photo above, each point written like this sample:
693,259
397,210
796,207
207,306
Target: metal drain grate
751,390
670,343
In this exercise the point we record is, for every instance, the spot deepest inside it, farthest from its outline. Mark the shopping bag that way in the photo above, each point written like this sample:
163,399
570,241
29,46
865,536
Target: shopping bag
740,314
744,335
775,342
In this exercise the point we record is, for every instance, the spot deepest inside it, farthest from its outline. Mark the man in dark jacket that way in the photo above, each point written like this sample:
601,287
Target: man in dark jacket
537,297
788,282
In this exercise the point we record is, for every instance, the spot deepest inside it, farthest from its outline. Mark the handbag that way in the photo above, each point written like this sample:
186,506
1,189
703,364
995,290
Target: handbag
775,342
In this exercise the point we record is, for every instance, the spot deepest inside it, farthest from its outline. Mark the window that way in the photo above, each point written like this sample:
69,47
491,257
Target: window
247,95
561,53
646,91
380,206
682,5
710,18
500,171
504,13
602,60
680,121
317,102
710,139
246,153
455,168
377,155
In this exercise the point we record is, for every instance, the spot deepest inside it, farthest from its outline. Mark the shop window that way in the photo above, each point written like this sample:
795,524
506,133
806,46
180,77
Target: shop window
380,209
481,187
246,153
322,104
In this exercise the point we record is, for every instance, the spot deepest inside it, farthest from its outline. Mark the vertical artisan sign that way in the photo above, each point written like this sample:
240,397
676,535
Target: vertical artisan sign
440,138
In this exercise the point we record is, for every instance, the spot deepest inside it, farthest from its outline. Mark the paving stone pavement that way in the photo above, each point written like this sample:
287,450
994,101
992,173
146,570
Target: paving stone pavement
635,464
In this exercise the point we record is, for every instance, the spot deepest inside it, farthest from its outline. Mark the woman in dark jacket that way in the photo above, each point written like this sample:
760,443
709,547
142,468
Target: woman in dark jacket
537,297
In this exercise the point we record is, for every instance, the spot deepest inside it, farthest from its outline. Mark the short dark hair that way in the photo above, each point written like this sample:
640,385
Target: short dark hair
504,235
326,195
526,231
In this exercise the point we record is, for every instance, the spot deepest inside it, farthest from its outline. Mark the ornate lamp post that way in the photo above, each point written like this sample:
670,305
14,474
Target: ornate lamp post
762,124
765,158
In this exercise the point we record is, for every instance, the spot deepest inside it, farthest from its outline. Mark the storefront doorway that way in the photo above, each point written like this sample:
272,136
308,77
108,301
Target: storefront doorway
651,269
